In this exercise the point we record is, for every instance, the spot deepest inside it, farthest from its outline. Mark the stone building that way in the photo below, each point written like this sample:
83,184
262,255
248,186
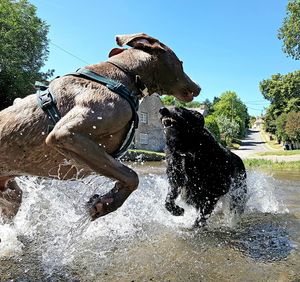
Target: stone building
150,135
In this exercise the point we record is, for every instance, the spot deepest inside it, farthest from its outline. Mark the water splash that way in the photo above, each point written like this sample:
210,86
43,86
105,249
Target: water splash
262,194
54,220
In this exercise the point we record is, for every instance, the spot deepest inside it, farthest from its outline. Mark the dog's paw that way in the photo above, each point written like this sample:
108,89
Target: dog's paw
174,209
100,205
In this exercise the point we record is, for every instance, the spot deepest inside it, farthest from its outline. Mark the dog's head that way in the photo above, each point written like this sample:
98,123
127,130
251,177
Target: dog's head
161,69
181,124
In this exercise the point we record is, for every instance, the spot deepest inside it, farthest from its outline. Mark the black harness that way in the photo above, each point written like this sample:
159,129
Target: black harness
47,102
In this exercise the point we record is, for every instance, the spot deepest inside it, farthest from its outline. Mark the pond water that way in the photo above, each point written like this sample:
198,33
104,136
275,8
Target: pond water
52,238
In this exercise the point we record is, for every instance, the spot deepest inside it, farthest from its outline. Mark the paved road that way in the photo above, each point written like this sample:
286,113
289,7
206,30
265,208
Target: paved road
253,143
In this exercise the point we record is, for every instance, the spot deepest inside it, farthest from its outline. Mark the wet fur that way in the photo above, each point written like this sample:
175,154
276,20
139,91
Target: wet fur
199,168
94,123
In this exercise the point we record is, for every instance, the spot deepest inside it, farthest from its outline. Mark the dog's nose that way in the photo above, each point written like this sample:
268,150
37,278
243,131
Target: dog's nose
197,90
164,111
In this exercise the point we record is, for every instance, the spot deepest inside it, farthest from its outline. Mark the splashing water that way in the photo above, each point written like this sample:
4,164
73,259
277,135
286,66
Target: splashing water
53,223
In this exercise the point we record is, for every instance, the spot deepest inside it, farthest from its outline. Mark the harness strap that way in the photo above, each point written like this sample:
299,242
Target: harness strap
47,102
112,85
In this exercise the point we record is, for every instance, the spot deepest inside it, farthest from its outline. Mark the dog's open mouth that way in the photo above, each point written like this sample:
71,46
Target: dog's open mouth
167,122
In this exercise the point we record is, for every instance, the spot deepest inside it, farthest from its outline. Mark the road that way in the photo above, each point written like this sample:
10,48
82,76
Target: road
253,144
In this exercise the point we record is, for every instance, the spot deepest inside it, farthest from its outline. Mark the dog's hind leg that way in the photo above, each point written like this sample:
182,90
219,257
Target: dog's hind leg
10,198
205,209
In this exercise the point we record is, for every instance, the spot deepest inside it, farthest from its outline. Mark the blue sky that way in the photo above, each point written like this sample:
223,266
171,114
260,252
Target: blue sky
225,45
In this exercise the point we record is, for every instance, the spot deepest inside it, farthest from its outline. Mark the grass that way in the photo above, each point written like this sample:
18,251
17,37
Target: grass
147,152
143,155
279,153
254,163
235,146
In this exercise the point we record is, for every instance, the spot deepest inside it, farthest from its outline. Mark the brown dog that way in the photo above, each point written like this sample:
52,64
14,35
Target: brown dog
94,123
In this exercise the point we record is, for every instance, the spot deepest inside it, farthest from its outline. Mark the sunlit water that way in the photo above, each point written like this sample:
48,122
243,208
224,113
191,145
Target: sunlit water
52,238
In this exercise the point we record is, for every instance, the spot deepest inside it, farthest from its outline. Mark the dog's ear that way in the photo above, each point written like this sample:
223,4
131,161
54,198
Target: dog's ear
116,51
140,41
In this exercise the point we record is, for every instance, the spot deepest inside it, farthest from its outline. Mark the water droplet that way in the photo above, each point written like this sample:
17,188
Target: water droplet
94,127
99,117
43,133
92,112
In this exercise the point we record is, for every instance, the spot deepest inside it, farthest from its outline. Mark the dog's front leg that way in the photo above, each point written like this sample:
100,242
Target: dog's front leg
79,147
170,201
177,180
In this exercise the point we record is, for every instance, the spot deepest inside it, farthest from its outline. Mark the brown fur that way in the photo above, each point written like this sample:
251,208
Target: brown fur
94,123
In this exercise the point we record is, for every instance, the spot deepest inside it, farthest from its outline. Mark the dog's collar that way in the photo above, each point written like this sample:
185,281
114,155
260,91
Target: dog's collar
141,87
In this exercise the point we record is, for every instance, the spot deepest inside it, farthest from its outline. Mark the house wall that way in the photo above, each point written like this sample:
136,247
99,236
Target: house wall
153,128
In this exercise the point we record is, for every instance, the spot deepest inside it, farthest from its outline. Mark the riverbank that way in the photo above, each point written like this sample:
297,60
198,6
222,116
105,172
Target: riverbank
270,160
271,164
143,155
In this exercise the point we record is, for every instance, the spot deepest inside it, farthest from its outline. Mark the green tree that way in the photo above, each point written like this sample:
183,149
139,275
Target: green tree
168,100
209,106
172,101
252,120
280,128
229,128
212,125
289,32
23,49
292,126
283,91
230,106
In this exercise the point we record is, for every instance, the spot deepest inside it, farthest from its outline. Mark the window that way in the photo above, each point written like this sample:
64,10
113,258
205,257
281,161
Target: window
143,139
144,117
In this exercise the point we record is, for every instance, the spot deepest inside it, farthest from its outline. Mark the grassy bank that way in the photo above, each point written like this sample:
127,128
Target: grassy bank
279,153
255,163
143,155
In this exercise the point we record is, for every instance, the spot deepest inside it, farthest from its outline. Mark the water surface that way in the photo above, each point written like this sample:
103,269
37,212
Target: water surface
52,239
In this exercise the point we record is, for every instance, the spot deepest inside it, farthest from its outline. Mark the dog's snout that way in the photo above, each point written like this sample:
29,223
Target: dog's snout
164,111
197,89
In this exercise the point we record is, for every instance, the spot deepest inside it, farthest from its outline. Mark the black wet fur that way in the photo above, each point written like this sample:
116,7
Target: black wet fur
198,167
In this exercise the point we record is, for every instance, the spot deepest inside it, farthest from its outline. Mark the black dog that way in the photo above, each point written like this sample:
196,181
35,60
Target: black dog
198,167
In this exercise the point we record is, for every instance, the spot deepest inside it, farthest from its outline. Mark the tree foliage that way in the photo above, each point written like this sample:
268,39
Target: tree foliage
23,49
280,128
289,32
212,125
283,91
172,101
229,105
229,128
293,126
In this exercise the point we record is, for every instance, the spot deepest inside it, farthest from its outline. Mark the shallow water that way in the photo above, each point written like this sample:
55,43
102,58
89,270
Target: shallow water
52,239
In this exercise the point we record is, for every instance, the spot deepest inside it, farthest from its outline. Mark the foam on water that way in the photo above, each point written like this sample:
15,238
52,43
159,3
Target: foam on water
53,216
